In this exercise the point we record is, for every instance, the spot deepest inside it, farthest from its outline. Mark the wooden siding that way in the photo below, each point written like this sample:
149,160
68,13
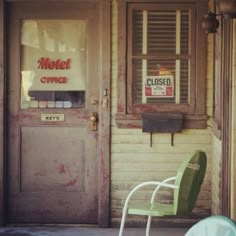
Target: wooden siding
134,161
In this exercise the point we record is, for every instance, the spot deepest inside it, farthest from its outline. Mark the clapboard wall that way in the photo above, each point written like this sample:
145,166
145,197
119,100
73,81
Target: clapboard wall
134,161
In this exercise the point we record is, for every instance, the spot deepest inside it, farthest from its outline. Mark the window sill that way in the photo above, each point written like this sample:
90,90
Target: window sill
134,121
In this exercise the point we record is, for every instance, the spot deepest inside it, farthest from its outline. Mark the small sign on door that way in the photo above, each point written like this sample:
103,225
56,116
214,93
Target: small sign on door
52,117
159,86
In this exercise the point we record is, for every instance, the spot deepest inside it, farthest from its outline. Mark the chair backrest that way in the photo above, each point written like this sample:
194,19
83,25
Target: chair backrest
213,226
189,180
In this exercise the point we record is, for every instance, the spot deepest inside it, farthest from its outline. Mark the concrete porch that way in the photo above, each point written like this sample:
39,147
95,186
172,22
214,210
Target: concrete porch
78,231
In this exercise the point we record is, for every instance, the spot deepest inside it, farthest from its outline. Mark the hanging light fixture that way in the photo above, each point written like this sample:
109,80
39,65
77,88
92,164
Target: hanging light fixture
227,9
210,23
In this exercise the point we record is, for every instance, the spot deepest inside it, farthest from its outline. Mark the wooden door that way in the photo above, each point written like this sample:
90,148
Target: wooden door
53,91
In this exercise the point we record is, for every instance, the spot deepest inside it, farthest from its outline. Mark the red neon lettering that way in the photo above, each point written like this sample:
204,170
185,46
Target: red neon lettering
43,80
48,64
68,63
51,65
43,63
54,80
58,61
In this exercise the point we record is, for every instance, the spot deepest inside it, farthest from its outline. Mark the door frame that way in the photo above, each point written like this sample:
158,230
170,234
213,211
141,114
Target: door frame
104,113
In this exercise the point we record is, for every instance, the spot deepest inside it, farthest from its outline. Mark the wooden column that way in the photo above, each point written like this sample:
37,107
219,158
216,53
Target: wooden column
2,73
227,37
104,155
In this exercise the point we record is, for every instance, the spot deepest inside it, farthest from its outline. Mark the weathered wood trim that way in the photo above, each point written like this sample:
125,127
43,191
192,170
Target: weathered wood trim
226,115
163,1
135,121
201,61
2,76
122,73
104,149
217,82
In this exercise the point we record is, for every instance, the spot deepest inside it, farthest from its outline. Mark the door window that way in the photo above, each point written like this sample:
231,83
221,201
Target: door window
53,63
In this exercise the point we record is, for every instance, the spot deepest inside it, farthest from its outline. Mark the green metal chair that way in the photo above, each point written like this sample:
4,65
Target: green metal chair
213,226
186,187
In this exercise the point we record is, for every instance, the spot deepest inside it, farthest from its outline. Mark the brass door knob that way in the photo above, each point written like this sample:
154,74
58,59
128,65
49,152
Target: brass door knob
94,120
93,117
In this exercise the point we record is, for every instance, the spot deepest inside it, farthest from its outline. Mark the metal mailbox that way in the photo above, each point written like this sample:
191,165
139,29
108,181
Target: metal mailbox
155,122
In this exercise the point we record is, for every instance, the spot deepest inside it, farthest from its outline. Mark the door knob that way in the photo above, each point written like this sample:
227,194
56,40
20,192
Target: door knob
94,120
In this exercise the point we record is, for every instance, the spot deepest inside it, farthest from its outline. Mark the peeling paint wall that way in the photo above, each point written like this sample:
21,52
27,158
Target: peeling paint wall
134,161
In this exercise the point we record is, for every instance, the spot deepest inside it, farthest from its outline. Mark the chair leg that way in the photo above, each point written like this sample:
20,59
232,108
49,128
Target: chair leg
148,225
122,223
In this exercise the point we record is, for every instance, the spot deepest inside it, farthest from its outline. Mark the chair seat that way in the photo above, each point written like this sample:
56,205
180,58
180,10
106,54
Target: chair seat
148,209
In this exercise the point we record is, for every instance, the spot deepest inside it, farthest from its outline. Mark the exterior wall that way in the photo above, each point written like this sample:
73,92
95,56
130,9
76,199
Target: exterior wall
134,161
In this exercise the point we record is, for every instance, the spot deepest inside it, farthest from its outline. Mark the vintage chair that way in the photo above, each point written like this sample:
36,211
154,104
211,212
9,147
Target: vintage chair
186,187
213,226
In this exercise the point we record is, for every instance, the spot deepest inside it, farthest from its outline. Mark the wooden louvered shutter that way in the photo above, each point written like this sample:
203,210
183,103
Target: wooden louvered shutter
160,42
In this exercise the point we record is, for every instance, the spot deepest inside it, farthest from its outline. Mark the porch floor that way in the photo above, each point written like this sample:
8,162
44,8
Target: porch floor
78,231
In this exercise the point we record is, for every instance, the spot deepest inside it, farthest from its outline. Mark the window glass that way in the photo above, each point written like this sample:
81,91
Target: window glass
53,69
160,56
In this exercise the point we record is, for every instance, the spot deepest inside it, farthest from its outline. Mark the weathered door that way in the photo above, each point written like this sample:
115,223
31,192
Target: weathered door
53,92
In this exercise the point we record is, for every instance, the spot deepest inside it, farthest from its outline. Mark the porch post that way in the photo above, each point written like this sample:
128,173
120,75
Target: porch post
104,149
226,116
2,72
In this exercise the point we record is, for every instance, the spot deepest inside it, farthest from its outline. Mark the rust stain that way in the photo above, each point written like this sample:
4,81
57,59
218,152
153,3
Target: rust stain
71,183
27,116
132,126
62,168
120,108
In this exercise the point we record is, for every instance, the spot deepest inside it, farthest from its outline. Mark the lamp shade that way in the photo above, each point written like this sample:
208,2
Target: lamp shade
210,23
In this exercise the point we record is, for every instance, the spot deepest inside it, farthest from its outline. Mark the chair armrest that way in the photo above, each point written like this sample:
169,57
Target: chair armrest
159,186
149,183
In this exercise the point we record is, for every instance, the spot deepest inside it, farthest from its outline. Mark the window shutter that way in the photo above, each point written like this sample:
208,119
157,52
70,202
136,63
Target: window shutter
161,40
161,32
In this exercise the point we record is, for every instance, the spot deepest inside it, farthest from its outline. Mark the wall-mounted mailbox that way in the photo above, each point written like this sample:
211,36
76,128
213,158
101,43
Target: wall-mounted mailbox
153,122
